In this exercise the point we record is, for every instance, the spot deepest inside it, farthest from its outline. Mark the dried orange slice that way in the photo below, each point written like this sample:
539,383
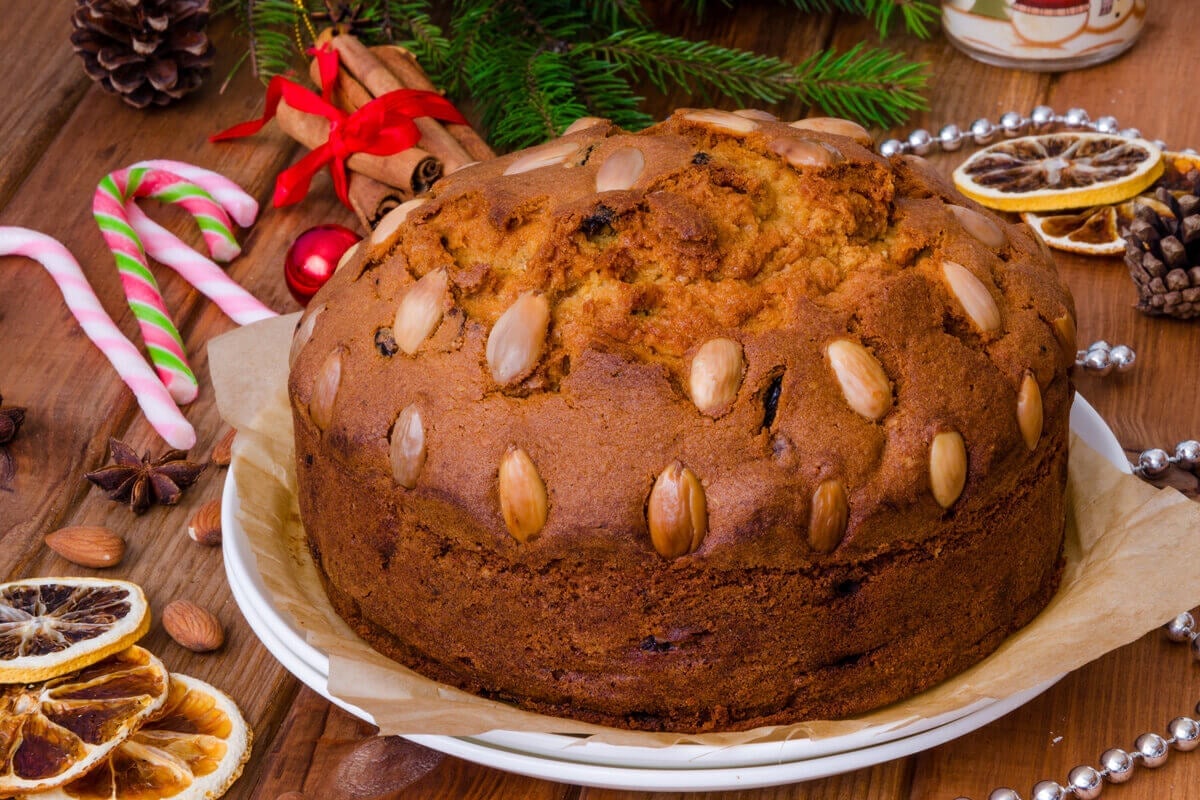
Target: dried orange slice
55,731
1059,170
51,626
192,749
1096,231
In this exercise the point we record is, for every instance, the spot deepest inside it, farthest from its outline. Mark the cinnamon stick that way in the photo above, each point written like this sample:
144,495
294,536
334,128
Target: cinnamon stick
404,65
372,200
348,94
371,72
412,171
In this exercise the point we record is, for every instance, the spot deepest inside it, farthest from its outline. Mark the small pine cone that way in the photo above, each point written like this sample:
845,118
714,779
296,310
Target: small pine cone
148,52
1163,254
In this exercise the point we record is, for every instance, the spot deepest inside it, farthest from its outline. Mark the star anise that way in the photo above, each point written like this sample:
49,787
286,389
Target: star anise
10,422
141,481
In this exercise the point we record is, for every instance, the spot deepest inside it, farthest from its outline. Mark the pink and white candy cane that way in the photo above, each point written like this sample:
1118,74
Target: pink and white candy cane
241,206
158,405
163,341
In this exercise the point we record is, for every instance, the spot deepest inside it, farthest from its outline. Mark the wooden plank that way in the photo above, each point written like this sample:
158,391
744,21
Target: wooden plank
39,92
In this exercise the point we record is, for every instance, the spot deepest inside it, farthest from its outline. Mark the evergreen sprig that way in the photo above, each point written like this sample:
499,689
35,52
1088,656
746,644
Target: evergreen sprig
531,67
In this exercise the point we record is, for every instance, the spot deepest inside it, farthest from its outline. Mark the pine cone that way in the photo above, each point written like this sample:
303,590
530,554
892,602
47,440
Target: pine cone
150,52
1163,254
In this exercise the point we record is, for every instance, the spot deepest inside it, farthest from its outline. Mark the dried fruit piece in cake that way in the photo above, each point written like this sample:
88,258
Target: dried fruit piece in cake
57,730
52,626
1059,170
194,748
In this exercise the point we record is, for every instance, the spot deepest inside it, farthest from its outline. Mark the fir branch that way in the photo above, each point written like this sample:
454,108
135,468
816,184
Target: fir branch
869,84
918,15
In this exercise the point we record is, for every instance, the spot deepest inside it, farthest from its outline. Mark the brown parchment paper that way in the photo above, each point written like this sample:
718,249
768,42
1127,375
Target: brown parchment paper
1130,556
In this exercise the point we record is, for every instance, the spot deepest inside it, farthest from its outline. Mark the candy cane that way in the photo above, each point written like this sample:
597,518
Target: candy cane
241,206
162,245
158,405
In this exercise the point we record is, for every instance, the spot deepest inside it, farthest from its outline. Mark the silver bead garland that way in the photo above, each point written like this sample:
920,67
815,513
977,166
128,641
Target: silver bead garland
1150,750
1086,782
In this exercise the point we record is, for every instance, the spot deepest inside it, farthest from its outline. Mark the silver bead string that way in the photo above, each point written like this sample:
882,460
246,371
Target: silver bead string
1010,125
1150,750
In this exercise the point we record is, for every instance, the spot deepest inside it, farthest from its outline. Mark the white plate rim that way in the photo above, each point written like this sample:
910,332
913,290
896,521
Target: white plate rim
286,642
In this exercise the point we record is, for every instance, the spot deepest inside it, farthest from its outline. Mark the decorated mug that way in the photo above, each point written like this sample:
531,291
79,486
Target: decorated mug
1043,35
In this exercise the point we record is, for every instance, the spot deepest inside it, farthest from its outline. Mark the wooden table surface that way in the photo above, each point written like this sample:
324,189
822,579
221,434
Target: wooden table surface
59,135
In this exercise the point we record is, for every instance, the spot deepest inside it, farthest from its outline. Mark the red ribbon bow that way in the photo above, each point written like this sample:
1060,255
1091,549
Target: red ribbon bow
382,127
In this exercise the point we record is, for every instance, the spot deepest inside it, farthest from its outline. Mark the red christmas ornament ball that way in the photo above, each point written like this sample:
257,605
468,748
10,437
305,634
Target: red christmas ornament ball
313,258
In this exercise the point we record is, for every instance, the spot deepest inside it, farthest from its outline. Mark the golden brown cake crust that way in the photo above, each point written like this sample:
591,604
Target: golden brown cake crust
785,242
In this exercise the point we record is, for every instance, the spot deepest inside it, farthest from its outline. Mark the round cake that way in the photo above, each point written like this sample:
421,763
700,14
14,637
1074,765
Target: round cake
725,423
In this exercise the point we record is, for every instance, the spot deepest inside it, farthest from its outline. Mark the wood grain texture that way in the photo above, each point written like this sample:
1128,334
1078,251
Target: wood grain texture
71,134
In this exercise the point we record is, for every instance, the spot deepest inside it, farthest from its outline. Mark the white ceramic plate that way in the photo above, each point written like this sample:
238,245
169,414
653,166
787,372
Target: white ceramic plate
681,767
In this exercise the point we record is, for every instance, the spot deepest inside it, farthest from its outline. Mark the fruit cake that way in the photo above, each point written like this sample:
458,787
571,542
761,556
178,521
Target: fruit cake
725,423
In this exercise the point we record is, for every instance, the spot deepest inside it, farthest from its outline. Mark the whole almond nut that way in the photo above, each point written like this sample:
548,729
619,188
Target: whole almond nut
88,546
324,394
1029,411
406,449
193,627
979,226
304,331
677,512
947,467
716,375
393,220
222,452
836,126
828,517
722,120
205,525
801,153
523,500
545,156
420,311
348,256
972,295
1064,331
756,113
583,123
518,337
864,383
620,170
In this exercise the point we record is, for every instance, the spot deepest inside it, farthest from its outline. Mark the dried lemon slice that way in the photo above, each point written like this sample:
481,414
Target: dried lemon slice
55,731
51,626
1096,231
193,749
1059,170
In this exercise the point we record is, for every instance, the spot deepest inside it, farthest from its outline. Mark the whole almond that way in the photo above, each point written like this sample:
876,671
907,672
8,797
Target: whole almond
979,226
304,331
324,394
801,153
205,525
222,452
756,113
620,170
972,295
836,126
716,375
947,467
406,449
545,156
516,341
1064,331
348,256
722,120
523,500
1029,410
583,123
87,545
864,383
393,220
420,311
677,513
193,627
828,517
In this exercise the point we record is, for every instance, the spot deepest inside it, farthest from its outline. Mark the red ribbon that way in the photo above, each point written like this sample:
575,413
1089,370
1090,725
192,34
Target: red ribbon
382,127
